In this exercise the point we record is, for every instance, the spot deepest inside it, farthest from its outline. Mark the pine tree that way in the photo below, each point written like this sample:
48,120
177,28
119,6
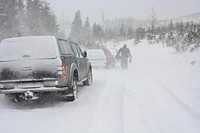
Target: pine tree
109,34
130,34
122,32
87,23
49,20
86,33
97,33
76,28
21,19
192,37
152,21
180,29
170,39
171,26
33,13
139,35
40,18
187,27
9,10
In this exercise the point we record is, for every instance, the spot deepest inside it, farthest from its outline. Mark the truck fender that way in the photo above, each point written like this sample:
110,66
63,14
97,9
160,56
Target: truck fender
72,69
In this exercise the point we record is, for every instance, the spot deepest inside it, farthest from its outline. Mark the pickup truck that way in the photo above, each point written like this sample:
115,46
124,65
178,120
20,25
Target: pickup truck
33,66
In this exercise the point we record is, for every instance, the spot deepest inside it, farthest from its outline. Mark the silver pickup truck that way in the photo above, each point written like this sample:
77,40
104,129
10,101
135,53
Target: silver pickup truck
36,65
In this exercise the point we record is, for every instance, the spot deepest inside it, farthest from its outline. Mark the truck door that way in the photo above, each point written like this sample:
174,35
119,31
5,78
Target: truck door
79,61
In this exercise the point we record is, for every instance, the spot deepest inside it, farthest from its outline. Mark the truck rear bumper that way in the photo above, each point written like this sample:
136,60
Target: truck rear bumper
43,89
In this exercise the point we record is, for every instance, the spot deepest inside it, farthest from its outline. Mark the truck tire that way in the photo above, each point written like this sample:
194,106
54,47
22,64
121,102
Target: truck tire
89,80
73,90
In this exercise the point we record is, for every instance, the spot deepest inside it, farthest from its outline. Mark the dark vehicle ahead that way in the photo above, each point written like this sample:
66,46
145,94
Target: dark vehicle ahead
36,65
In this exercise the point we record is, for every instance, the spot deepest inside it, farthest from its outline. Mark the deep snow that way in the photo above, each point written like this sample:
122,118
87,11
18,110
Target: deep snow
159,93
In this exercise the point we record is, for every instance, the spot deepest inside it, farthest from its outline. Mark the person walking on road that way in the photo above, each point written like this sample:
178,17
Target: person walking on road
125,54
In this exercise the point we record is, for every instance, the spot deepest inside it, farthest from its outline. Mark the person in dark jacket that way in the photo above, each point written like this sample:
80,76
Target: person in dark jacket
125,54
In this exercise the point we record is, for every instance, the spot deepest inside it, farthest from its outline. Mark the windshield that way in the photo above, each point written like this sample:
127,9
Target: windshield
27,48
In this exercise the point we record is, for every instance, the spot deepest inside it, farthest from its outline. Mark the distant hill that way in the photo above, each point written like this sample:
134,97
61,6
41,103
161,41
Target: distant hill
195,18
128,22
132,22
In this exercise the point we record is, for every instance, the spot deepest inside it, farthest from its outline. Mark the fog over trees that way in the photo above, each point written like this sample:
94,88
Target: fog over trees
178,34
36,17
26,17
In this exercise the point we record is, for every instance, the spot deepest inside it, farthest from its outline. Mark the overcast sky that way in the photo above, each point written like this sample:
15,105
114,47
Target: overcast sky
139,9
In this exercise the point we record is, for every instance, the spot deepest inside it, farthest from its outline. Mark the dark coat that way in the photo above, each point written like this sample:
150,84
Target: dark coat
125,52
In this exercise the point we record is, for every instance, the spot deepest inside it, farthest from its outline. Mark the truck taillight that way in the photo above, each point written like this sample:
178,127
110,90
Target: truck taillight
61,70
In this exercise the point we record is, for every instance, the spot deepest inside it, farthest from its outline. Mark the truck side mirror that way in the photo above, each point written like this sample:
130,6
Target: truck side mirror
85,54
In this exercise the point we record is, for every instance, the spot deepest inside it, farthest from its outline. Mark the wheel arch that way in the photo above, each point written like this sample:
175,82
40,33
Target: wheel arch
75,73
90,68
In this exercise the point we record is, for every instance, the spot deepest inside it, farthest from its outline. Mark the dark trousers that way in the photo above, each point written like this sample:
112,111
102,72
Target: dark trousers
124,63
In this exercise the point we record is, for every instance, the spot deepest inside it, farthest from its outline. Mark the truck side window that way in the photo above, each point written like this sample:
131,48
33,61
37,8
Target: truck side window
65,47
69,48
63,50
79,51
75,50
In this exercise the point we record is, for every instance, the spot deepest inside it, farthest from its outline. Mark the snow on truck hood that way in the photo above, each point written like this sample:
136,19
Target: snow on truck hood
31,47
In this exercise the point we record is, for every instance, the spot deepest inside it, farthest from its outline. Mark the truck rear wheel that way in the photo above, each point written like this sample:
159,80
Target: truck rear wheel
74,89
72,93
89,80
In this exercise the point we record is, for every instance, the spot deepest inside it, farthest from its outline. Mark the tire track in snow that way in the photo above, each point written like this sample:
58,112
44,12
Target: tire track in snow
108,113
185,106
174,110
193,113
138,108
173,115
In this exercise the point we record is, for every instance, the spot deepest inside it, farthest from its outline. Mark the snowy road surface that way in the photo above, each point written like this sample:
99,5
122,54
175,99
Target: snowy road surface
159,93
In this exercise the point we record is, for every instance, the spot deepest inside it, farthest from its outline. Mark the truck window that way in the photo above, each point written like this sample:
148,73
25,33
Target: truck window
79,51
65,47
27,48
75,50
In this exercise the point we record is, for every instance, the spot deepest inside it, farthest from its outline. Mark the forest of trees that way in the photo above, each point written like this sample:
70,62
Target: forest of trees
36,17
180,35
26,17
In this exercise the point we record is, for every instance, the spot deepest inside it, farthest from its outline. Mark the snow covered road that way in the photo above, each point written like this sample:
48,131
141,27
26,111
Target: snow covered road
159,93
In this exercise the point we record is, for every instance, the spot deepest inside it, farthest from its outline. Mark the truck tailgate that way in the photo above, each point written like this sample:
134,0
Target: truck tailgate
28,70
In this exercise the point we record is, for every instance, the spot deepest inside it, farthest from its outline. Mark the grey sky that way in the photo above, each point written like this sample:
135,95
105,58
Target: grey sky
112,9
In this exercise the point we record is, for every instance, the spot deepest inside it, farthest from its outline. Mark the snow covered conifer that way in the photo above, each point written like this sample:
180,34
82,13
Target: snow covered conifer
40,18
9,10
122,31
86,32
152,21
97,33
76,28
